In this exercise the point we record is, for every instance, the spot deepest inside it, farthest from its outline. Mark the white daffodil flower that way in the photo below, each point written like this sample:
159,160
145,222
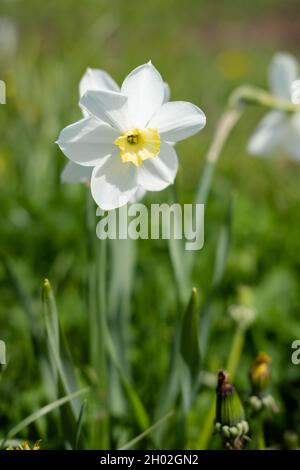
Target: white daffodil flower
279,128
97,79
125,136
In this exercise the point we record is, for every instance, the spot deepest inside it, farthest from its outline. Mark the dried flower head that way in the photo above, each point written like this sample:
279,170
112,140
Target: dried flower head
230,415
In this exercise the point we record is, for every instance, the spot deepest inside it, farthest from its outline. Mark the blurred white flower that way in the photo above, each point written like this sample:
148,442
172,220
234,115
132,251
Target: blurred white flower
9,36
125,136
279,128
295,88
244,315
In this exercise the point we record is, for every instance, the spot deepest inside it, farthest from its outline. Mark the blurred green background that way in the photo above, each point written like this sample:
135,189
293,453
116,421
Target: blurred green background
204,50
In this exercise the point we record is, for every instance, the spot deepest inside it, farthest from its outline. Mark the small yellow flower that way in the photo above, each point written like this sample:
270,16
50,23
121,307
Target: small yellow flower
26,446
260,372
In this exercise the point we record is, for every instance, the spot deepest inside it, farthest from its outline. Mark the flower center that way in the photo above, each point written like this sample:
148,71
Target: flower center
137,145
133,138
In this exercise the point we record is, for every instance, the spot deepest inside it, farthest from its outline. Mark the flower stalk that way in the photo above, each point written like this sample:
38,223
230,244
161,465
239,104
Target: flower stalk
250,95
261,401
243,315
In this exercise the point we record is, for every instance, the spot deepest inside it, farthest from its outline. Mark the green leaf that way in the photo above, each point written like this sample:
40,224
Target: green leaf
189,344
42,412
222,250
178,260
137,408
59,355
223,246
177,253
79,425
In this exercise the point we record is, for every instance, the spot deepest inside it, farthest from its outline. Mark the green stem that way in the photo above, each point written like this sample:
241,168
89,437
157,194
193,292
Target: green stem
247,94
227,122
102,286
235,352
96,282
91,280
261,436
242,96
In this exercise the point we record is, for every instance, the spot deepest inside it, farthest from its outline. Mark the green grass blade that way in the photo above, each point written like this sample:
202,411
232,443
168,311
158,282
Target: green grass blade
58,350
189,344
79,425
51,316
139,413
42,412
148,431
120,292
177,254
223,246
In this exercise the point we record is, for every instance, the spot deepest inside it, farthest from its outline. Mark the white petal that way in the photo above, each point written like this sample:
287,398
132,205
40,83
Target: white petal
177,120
114,183
167,92
87,141
138,195
96,79
291,143
108,106
269,133
145,90
283,71
159,172
74,173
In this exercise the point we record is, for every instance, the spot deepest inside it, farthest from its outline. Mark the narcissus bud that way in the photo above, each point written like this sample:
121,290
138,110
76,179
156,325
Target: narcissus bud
230,416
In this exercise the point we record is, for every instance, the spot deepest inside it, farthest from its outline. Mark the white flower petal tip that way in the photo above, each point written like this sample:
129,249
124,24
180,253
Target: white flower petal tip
73,173
282,72
145,90
177,120
97,79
